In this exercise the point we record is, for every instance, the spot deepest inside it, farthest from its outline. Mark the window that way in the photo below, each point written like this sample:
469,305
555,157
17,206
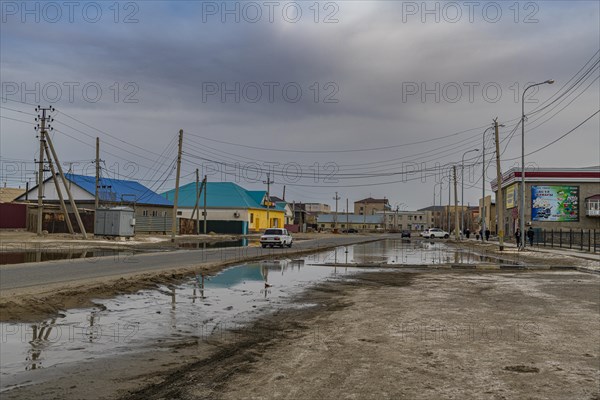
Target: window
155,213
164,213
420,218
144,213
251,218
179,212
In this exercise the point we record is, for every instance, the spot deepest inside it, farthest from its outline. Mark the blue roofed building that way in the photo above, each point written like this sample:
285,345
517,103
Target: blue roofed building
230,207
153,212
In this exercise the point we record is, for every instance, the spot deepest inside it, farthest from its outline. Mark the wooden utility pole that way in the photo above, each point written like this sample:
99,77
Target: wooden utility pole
96,194
268,183
456,227
205,187
174,221
499,196
58,190
64,181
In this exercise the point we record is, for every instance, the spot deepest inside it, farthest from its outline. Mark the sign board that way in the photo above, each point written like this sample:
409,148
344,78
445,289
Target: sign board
511,196
555,203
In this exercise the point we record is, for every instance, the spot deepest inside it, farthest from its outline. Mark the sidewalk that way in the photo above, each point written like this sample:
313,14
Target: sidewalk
590,263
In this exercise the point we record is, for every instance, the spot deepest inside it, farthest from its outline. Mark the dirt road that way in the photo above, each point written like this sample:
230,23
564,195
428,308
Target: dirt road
382,335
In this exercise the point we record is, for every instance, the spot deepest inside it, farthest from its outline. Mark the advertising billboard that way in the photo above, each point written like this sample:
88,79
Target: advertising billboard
555,203
511,196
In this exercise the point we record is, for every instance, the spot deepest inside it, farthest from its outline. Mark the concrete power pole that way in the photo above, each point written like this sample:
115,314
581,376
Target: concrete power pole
449,199
336,198
40,175
96,194
204,186
268,183
456,227
347,217
174,221
499,196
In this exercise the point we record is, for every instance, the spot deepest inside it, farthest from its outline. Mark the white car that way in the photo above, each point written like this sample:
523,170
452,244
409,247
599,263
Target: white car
276,237
433,233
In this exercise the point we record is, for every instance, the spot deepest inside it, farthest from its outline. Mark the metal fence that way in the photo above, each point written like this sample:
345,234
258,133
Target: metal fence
579,239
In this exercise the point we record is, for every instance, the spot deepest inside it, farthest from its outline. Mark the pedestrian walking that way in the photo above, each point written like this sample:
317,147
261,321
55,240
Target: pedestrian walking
481,234
467,232
530,235
518,236
487,235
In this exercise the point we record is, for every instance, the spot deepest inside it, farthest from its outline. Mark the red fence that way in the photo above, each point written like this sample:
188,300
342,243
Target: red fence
13,216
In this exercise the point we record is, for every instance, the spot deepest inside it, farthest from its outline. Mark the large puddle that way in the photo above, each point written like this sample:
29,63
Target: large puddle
15,254
196,308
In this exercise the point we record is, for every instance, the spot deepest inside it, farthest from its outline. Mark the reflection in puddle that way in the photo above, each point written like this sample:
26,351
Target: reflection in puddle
196,308
193,309
394,251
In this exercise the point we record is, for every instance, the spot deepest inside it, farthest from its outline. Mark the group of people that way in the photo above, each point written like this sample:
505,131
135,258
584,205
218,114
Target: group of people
530,235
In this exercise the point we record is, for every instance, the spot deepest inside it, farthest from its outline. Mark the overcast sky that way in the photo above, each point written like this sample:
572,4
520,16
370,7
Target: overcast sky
353,97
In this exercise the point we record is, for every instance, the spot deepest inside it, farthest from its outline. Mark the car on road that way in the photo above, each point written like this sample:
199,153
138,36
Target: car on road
276,237
433,233
405,234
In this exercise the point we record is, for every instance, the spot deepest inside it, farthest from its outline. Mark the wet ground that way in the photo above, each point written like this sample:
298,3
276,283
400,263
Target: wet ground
207,309
195,308
19,253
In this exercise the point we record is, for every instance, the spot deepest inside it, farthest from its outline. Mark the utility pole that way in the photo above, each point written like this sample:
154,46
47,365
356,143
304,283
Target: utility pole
40,175
456,227
196,205
64,181
364,215
268,183
499,196
96,194
449,199
347,217
174,221
283,193
384,215
336,198
205,186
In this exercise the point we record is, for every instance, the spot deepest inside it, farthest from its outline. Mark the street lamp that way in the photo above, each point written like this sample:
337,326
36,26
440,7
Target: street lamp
483,186
522,194
462,195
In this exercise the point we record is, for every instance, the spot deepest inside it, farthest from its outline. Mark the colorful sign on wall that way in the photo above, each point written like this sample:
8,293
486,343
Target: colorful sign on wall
555,203
511,196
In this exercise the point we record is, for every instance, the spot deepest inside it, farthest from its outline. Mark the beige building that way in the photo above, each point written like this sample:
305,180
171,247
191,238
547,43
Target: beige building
371,206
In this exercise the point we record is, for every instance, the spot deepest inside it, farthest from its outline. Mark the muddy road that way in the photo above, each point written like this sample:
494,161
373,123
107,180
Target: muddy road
419,334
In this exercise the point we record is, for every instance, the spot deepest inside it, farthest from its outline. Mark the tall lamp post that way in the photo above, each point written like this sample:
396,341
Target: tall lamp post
522,191
483,186
462,195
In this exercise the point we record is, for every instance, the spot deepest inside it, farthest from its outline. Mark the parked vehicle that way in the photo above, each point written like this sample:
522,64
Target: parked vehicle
405,234
433,233
276,237
351,230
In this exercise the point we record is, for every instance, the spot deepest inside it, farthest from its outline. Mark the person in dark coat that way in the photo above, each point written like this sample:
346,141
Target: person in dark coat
487,235
467,233
530,235
518,236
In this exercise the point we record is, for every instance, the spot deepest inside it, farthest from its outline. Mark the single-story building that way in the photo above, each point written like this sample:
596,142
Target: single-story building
152,212
229,207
